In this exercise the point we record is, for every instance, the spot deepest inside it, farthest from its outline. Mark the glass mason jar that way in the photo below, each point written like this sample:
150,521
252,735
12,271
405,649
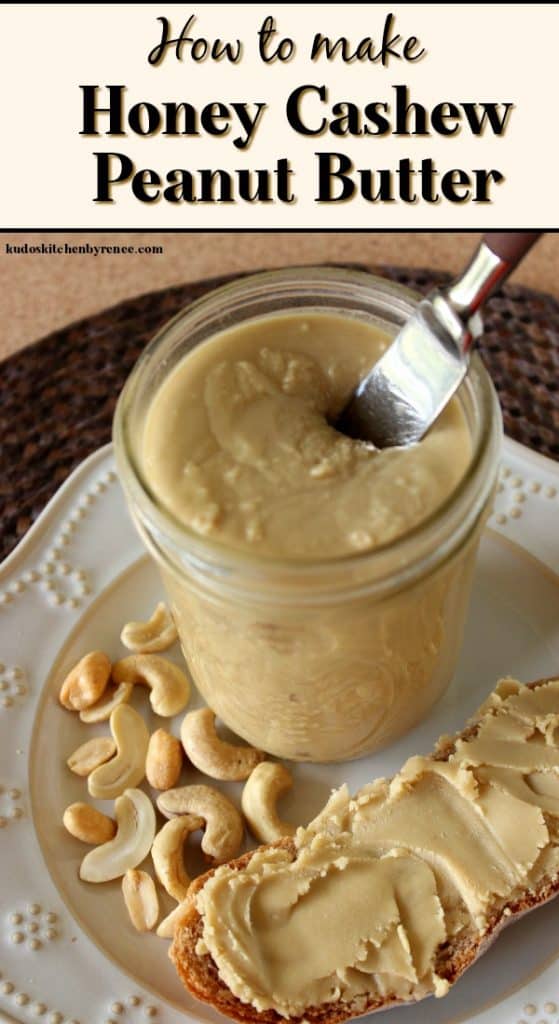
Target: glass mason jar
328,660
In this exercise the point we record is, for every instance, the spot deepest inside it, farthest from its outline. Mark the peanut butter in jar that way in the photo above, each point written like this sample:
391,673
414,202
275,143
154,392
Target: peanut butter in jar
319,586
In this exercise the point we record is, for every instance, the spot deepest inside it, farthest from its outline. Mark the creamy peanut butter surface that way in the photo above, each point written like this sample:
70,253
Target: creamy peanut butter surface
237,443
384,878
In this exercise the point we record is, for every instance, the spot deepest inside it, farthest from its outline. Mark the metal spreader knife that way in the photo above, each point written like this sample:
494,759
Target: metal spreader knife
425,364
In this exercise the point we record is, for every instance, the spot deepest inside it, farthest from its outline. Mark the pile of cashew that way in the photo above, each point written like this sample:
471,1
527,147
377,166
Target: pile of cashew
223,833
153,636
112,697
114,766
167,854
190,808
95,688
211,755
135,832
262,790
169,685
128,767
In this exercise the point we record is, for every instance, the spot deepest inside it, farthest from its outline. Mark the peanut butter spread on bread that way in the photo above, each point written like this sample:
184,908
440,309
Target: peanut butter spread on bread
382,879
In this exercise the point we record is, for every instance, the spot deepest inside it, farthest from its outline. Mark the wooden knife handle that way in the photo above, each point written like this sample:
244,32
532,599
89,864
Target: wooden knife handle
511,246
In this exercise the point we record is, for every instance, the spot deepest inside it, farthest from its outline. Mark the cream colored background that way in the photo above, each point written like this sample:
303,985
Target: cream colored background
476,52
42,293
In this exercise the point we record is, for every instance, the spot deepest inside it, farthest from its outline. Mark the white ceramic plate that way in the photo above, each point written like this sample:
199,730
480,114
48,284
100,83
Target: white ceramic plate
67,950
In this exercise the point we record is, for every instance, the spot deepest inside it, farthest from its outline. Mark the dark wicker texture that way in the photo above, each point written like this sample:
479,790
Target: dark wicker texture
48,425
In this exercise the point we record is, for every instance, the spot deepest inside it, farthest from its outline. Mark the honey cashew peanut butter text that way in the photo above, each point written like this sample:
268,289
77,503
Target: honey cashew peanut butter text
313,110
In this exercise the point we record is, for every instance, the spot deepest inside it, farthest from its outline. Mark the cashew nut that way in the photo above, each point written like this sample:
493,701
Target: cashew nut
86,823
86,683
223,833
211,755
90,755
167,854
263,788
140,897
170,687
135,819
112,697
127,768
166,929
157,634
164,760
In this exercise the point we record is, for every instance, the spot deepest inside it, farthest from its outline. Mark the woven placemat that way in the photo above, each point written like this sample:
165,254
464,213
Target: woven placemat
57,396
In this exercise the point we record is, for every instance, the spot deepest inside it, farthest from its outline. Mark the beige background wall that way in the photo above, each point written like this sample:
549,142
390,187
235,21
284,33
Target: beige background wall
40,293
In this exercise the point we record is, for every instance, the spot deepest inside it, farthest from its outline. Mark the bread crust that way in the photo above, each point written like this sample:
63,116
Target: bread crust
200,976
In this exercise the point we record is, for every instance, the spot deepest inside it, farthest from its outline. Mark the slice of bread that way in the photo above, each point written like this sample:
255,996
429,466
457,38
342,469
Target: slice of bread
200,976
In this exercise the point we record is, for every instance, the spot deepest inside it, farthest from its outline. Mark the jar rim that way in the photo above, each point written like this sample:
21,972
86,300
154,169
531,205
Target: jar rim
203,555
